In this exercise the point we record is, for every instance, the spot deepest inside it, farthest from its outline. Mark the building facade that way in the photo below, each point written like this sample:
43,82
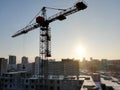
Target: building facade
12,59
3,65
12,64
66,67
38,66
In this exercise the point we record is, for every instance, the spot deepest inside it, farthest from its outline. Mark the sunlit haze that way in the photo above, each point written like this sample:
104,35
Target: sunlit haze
80,51
96,29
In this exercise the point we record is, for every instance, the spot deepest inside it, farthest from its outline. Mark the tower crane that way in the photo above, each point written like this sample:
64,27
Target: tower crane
43,22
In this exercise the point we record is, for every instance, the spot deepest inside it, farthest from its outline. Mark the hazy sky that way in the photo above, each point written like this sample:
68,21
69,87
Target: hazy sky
96,29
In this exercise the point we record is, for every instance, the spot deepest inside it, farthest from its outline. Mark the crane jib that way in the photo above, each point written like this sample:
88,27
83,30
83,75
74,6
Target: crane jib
59,16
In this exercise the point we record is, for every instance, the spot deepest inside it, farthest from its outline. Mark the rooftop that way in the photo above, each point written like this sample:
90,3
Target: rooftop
112,83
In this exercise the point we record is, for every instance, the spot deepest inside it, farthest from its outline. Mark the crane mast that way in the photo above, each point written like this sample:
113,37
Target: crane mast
43,22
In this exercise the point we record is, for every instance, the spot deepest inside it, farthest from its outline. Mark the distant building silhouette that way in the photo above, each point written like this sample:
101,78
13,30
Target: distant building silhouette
12,59
24,60
38,63
12,63
3,65
25,65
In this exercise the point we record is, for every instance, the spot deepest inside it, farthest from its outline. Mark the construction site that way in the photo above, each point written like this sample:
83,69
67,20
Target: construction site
43,23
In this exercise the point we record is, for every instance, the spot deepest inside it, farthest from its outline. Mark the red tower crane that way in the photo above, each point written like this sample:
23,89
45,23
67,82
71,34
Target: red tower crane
43,22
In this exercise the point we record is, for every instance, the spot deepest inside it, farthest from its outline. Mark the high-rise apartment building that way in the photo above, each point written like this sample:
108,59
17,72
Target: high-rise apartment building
38,65
55,68
70,67
24,60
12,59
3,65
12,63
65,67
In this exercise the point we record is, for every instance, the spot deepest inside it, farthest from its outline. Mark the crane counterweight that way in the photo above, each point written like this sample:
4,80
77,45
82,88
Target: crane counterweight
81,6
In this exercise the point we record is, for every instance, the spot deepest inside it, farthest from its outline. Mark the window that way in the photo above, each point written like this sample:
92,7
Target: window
51,81
51,88
32,86
6,80
26,86
5,85
58,81
10,86
40,81
32,81
11,80
26,81
58,88
11,75
23,67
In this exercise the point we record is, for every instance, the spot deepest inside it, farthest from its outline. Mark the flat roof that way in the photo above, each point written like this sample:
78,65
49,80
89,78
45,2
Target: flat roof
88,83
115,85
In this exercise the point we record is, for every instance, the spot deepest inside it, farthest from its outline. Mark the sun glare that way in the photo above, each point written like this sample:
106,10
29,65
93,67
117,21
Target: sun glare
80,51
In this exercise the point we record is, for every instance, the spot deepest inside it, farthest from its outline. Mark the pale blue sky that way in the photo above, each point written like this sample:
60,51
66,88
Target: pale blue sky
97,29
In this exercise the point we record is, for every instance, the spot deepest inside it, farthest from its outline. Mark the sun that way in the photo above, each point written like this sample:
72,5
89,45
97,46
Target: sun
80,51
